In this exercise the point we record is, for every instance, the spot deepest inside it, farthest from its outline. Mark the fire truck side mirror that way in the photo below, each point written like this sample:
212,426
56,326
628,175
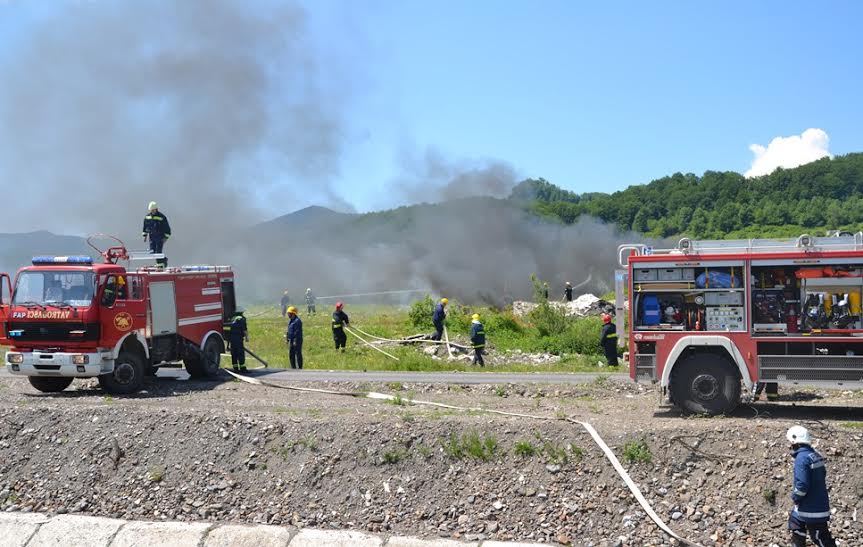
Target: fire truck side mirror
5,289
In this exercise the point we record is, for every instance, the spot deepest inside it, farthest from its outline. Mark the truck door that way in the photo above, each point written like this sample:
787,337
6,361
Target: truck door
163,308
5,304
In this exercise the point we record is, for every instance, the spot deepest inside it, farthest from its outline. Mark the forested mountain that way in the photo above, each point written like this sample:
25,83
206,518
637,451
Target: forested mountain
825,194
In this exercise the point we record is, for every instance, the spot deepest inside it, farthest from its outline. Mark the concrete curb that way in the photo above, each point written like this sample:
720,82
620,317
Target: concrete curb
36,530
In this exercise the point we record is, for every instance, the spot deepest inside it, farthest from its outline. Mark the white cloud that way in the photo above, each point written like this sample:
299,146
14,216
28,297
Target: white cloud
789,152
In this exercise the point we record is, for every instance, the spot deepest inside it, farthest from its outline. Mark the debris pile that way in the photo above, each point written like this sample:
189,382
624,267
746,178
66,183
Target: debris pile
584,306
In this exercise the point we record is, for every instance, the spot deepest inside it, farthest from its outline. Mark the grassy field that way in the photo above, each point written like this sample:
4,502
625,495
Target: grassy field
267,331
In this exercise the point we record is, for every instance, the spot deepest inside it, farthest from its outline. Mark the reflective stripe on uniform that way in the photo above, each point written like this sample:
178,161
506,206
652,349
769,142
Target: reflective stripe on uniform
611,335
816,465
799,492
800,513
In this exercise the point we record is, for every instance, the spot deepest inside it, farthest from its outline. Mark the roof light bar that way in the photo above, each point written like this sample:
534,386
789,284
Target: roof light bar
39,260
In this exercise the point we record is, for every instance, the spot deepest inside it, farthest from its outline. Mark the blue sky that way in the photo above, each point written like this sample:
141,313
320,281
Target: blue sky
593,96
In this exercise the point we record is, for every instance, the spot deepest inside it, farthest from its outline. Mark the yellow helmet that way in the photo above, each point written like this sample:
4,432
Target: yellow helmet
444,301
152,205
475,317
292,309
121,281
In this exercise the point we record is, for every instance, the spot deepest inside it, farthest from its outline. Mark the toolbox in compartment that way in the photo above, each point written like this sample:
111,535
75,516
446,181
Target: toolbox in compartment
644,274
669,274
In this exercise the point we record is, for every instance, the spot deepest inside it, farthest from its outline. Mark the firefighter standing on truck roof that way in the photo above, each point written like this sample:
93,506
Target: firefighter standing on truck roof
157,229
295,339
239,335
608,340
477,339
340,321
811,510
438,318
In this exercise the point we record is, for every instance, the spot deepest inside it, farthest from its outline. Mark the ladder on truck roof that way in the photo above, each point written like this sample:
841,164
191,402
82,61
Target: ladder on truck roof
804,243
185,269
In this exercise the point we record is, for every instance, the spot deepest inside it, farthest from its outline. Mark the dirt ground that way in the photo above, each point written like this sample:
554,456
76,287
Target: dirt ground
230,451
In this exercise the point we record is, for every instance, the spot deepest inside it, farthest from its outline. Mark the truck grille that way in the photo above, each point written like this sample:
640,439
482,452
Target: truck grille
53,332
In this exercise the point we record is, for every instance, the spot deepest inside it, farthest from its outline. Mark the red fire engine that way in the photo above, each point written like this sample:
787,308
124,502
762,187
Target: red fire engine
708,317
68,317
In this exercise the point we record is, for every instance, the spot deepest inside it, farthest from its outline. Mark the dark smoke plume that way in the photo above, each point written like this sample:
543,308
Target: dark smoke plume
214,109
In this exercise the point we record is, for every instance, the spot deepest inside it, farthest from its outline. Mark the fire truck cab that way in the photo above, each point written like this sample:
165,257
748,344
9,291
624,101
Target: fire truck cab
714,322
68,317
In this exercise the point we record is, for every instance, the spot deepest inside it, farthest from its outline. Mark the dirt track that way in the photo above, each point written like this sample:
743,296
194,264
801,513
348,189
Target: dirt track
233,452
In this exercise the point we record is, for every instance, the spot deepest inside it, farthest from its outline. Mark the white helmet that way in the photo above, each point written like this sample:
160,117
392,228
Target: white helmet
798,435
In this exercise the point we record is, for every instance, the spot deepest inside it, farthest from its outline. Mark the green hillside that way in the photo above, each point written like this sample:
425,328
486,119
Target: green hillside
825,194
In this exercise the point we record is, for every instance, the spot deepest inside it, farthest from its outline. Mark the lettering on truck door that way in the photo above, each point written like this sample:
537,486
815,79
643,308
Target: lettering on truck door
163,308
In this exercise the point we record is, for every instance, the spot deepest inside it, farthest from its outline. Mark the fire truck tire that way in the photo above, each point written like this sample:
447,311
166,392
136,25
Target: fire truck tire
49,384
705,383
128,375
209,363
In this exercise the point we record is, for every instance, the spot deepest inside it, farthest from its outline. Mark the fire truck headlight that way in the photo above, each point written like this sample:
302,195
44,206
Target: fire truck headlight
80,359
15,358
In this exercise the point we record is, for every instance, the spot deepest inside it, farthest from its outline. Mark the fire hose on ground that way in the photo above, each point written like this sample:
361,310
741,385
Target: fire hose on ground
408,340
609,454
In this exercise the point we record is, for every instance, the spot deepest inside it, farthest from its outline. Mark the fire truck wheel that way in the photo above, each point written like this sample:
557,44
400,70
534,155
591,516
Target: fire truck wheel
128,375
705,383
49,384
209,363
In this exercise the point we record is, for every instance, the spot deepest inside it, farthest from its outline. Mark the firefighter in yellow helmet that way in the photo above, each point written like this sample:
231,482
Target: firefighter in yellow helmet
477,339
438,318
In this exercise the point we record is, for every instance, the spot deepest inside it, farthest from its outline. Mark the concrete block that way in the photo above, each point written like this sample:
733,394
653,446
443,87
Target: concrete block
334,538
248,536
400,541
76,530
16,528
161,534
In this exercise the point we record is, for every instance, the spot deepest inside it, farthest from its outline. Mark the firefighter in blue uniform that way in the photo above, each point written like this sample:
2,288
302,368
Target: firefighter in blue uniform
477,339
295,338
811,510
238,335
157,230
340,320
438,318
608,340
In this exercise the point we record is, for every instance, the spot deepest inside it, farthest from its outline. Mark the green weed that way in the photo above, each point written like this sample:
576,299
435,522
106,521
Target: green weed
472,444
156,473
637,451
525,449
391,457
769,495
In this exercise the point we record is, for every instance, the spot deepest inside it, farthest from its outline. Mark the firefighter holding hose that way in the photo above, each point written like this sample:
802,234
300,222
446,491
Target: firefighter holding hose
340,320
239,334
438,318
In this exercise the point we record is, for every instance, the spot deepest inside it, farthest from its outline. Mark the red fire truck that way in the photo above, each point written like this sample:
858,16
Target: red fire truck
714,322
68,317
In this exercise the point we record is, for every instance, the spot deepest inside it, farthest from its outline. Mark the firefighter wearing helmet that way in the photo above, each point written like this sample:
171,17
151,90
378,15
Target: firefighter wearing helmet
477,339
157,230
294,337
438,318
811,511
239,334
340,321
608,340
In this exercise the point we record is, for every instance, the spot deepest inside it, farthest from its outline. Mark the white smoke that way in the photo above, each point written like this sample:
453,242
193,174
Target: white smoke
787,152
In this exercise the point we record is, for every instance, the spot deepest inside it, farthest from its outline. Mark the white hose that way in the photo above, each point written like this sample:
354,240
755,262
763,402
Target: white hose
610,456
374,347
408,341
446,338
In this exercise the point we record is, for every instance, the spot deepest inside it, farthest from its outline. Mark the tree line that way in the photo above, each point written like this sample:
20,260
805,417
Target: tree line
823,195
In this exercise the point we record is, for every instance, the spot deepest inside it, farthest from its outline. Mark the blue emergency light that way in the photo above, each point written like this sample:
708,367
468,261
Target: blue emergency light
39,260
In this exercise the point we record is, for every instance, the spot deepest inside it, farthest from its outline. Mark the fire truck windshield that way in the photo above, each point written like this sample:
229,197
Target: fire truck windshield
55,288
